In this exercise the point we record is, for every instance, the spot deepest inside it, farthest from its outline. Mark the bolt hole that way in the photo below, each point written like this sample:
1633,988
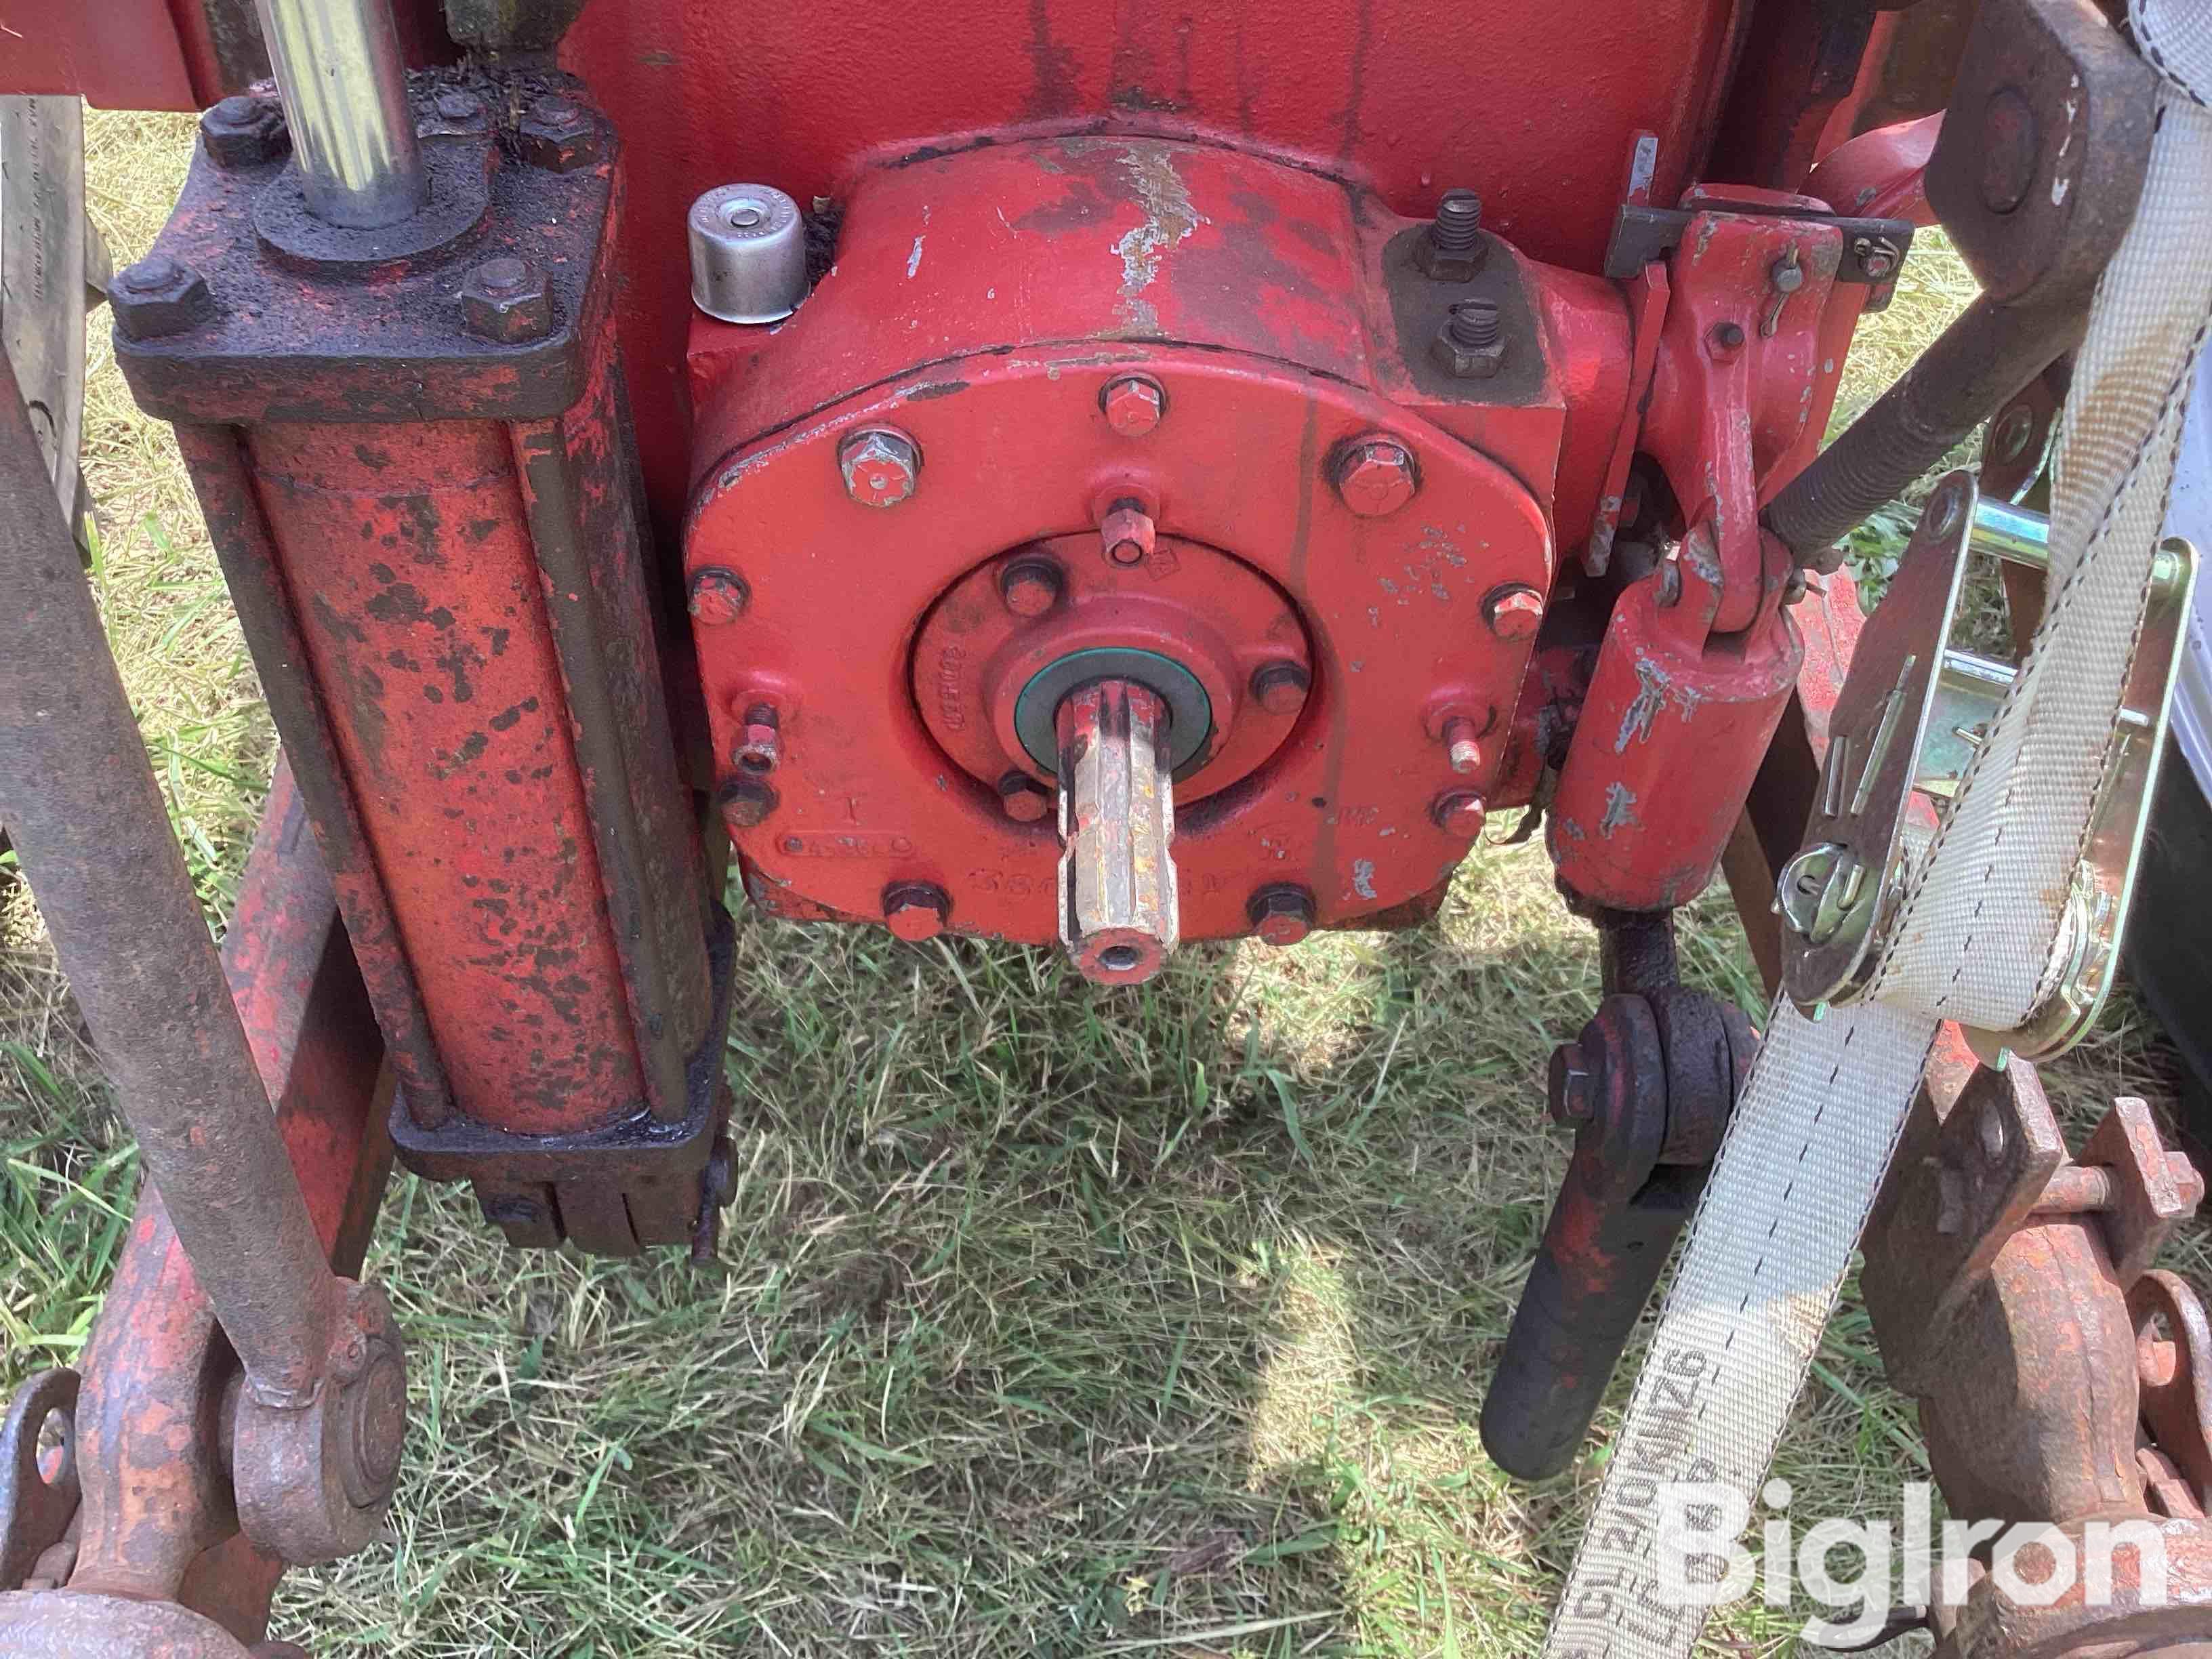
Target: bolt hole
744,215
1992,1130
1119,958
57,1447
756,764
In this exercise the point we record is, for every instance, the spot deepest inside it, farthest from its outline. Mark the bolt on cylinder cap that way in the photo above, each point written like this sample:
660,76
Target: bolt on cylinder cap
506,300
244,131
748,253
915,910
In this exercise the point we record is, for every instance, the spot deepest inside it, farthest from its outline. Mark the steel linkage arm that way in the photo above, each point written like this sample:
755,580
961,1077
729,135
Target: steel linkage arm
321,1412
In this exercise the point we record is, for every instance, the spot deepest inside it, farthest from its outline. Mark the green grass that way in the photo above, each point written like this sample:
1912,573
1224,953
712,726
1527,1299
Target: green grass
1050,1319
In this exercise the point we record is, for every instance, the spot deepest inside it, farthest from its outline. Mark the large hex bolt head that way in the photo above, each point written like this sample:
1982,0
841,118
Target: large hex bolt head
158,296
1023,798
1375,475
507,300
1032,586
718,597
881,465
1282,914
560,135
244,131
1458,812
1514,611
915,910
745,802
1280,688
1133,404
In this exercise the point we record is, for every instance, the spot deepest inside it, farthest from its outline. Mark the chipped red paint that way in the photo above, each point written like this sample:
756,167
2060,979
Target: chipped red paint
425,627
986,301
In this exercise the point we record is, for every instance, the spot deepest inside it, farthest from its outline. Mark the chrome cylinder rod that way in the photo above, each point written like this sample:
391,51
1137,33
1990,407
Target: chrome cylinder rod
2017,535
344,87
1117,882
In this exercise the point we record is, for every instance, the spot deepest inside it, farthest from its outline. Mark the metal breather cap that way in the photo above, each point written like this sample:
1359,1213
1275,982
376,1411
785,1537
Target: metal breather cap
748,254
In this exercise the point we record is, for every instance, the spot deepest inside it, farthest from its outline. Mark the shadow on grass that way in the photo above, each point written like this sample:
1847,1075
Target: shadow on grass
1051,1320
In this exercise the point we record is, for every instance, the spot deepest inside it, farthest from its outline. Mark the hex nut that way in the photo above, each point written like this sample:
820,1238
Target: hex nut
745,802
157,296
506,301
1466,362
1514,611
560,135
1127,534
1133,404
1281,914
718,596
1374,477
915,910
881,465
1451,250
244,131
760,745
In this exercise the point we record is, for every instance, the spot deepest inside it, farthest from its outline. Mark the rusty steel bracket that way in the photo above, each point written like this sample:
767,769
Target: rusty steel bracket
1874,250
38,1501
1649,1085
2057,1381
2036,176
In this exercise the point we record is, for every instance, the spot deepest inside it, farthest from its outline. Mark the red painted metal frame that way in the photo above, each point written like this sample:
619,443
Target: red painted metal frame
985,300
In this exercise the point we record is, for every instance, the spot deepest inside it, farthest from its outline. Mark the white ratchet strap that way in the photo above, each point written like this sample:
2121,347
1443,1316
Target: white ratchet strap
1977,934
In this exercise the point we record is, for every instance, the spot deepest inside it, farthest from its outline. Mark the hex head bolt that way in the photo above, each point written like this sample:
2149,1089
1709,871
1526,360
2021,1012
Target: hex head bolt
1032,587
1280,688
157,296
1514,611
1374,477
1023,798
718,596
506,301
244,131
881,465
1132,405
1458,812
745,802
1281,914
915,910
